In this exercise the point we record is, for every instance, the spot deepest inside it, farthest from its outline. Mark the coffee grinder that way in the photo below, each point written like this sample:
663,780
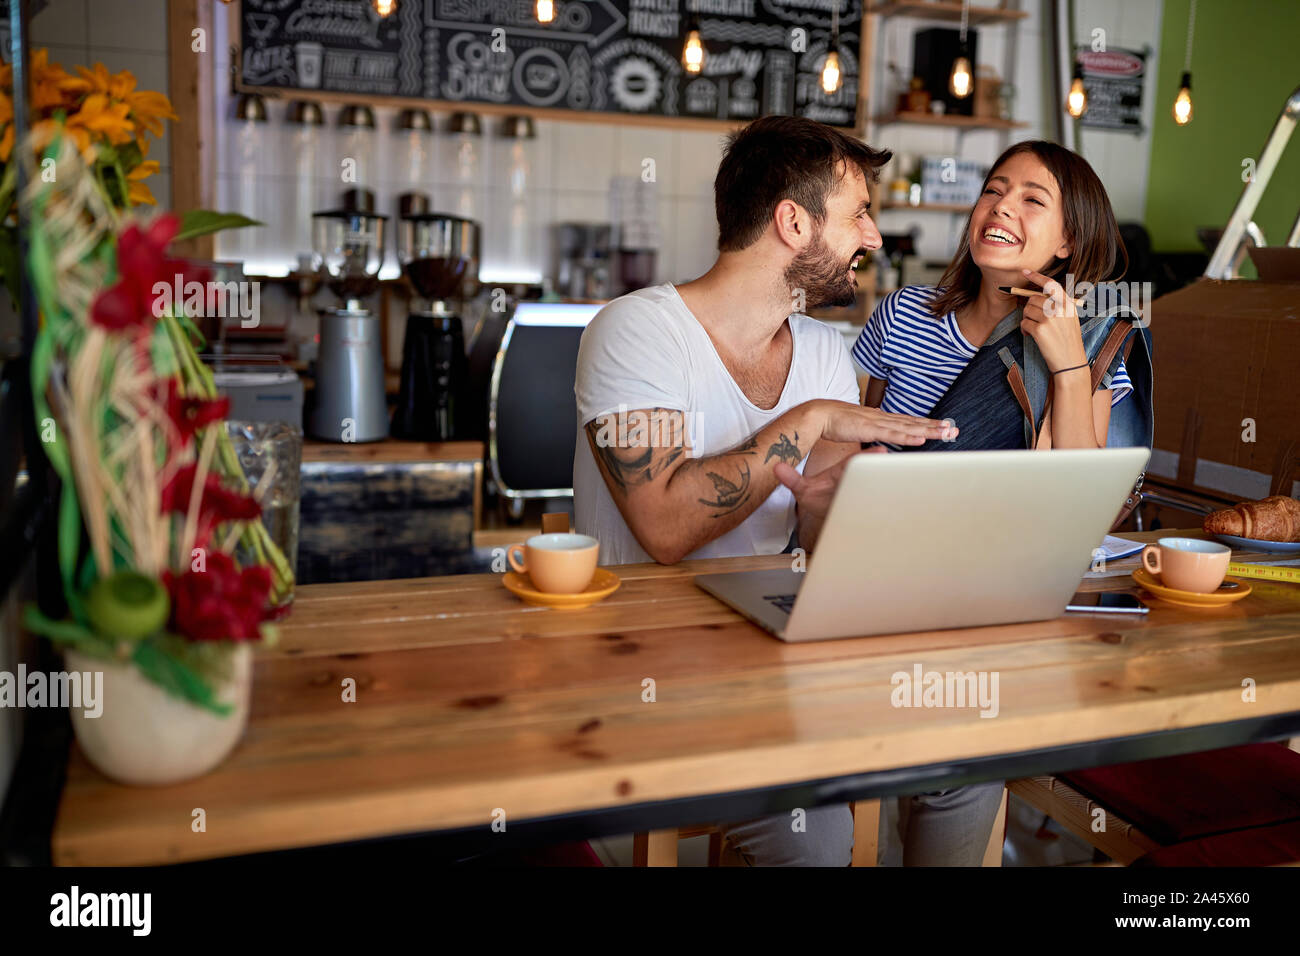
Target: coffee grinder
438,253
350,400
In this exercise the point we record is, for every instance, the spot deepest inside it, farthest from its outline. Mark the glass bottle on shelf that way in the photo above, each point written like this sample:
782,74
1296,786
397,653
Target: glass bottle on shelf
306,123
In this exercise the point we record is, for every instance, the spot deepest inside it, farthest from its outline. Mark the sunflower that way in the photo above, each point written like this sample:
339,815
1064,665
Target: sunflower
149,109
137,192
101,111
101,117
146,107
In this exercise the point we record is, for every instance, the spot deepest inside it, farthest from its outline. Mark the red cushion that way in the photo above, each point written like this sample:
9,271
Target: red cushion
1263,846
561,854
1177,799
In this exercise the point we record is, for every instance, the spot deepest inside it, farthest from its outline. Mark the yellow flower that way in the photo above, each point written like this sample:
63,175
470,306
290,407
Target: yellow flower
149,109
137,191
103,118
44,133
95,80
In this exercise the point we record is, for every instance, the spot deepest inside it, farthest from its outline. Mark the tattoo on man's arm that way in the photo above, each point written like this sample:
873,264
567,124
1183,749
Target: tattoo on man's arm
785,450
630,467
729,495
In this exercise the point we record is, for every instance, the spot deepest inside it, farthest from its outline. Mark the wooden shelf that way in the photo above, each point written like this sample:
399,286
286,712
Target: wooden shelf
927,206
390,451
948,119
921,9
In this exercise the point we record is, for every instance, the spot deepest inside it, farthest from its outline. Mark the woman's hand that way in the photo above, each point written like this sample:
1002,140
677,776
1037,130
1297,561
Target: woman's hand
1053,322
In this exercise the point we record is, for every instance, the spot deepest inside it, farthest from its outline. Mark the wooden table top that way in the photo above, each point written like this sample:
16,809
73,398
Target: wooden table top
468,700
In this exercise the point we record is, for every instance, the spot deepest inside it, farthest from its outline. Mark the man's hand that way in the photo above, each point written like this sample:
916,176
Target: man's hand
813,495
845,422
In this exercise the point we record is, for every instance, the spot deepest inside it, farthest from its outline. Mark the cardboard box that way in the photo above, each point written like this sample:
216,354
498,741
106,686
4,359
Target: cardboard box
1227,387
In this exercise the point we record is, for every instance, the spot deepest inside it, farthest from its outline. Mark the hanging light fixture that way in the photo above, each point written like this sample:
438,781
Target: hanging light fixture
831,73
1183,102
962,79
693,51
545,11
384,7
1076,102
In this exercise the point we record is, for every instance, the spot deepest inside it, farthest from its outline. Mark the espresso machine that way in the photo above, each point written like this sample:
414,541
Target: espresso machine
438,253
350,403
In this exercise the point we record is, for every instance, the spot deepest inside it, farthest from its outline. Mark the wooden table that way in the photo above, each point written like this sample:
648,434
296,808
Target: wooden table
469,702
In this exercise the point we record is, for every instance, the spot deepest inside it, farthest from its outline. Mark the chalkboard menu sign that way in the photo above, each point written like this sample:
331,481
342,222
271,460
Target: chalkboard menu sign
1114,79
762,56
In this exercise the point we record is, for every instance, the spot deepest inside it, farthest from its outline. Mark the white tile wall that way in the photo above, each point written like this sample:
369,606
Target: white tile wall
123,35
62,23
127,24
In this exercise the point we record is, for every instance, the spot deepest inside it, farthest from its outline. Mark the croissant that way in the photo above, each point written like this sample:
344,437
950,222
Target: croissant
1276,518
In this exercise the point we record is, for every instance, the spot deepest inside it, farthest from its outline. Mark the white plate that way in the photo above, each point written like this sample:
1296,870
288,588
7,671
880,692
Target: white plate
1256,544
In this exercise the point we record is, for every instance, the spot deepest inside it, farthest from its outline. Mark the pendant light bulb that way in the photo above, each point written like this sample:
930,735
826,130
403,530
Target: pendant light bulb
831,73
1076,103
960,82
545,11
384,7
693,51
1183,104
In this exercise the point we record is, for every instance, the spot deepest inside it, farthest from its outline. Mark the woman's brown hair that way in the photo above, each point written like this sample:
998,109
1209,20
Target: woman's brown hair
1089,228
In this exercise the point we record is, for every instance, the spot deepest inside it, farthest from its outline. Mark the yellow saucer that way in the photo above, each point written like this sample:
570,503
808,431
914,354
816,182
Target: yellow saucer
603,584
1191,598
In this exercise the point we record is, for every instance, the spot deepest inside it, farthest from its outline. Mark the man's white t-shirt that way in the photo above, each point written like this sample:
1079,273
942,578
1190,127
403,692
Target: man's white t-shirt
646,350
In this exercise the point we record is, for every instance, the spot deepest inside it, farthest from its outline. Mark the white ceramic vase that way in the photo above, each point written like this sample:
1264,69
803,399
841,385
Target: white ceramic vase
146,736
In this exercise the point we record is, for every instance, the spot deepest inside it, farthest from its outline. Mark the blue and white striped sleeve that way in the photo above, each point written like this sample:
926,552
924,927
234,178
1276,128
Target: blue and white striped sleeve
867,350
1120,384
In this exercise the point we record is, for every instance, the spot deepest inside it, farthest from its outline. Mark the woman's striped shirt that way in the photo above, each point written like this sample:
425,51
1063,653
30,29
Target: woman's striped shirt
919,356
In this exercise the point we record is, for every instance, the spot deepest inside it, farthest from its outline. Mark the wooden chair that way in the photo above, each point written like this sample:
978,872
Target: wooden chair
659,847
1239,806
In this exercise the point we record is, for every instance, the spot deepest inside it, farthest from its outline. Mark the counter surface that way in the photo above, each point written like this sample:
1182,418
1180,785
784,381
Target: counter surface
470,704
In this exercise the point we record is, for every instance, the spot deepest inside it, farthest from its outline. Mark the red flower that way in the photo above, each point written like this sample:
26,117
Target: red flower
217,504
191,414
142,262
219,603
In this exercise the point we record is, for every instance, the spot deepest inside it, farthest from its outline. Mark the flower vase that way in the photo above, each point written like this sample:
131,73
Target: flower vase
146,736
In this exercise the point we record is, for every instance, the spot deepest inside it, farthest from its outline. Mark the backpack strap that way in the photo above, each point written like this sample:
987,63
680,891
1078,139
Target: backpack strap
1118,333
1100,362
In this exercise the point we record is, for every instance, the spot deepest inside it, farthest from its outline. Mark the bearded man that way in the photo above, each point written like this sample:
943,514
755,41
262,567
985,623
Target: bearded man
715,418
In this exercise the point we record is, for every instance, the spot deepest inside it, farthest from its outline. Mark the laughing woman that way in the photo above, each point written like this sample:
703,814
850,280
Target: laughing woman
1014,371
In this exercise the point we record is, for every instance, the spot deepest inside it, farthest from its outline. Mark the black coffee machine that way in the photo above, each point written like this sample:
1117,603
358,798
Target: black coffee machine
437,253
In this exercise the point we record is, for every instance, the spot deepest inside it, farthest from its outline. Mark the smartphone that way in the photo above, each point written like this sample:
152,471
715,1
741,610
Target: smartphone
1106,602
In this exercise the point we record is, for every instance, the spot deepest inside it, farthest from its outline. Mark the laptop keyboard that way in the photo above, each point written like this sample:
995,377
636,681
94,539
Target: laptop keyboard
784,601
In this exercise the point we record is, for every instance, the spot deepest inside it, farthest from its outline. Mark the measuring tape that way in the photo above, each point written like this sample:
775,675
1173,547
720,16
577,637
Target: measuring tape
1290,575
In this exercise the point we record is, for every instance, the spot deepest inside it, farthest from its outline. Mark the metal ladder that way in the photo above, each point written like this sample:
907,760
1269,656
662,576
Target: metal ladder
1231,250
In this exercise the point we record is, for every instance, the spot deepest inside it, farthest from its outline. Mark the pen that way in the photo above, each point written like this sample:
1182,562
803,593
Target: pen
1015,290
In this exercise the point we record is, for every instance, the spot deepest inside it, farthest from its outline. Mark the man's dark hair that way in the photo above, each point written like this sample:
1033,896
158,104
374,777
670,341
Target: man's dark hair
782,157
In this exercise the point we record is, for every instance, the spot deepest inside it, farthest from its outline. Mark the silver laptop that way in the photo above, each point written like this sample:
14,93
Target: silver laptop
929,540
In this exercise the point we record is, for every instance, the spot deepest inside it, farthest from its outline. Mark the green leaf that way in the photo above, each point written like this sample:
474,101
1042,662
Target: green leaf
128,155
196,336
66,632
203,222
70,545
175,677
